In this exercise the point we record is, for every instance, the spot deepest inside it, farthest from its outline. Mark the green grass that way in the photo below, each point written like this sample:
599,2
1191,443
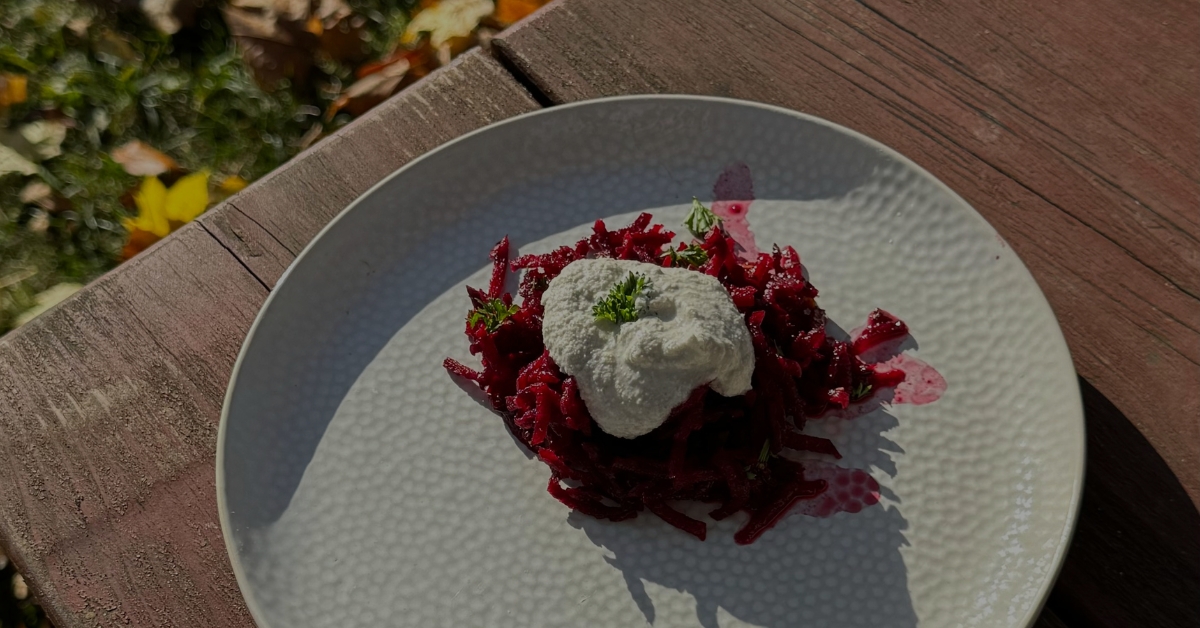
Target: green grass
188,95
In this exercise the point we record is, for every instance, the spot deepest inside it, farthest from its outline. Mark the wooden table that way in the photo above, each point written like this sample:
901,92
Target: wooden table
1072,126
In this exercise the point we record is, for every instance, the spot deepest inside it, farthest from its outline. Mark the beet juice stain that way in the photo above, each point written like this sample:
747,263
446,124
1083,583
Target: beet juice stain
732,195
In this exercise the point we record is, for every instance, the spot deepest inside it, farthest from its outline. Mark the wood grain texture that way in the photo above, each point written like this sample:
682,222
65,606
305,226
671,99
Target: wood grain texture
1120,268
110,403
279,214
109,407
1070,126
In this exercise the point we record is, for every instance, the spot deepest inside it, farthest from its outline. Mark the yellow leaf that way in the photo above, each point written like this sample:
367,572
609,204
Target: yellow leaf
12,89
448,19
233,184
151,201
188,198
510,11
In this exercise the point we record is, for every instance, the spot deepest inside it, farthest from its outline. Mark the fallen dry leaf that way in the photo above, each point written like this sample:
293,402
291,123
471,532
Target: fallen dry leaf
447,20
142,160
13,162
44,138
169,16
418,62
20,590
22,148
274,45
45,300
509,12
35,192
310,136
232,184
136,242
39,223
370,90
187,198
151,201
279,38
162,210
41,194
79,25
12,89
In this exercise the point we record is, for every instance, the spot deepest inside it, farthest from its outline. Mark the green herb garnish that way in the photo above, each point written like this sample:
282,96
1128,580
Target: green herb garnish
763,456
493,313
687,256
620,306
860,391
700,220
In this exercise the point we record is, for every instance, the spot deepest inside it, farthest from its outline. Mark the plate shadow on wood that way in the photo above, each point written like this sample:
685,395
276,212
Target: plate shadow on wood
1137,526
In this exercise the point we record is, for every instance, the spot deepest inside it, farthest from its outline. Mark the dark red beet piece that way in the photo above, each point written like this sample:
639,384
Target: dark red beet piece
712,449
815,444
881,327
679,520
499,257
766,517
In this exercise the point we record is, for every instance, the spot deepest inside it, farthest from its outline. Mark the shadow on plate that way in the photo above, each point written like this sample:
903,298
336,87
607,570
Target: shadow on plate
843,570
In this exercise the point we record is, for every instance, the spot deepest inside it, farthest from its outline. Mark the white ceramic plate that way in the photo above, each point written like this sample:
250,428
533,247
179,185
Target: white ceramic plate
359,486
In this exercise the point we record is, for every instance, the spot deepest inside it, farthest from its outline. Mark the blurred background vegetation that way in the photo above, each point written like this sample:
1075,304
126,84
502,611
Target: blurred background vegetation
97,96
121,120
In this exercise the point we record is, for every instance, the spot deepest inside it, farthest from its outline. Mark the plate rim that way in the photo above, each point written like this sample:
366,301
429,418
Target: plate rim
1061,349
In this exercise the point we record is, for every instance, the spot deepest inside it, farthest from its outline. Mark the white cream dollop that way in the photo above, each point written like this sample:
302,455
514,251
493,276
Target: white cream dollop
688,333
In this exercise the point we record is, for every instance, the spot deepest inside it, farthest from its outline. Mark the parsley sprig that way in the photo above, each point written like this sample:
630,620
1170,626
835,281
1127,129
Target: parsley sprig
860,391
620,306
763,456
686,256
492,314
700,220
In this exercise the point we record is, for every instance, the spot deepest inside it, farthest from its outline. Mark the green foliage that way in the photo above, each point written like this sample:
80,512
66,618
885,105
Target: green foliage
112,78
492,314
700,220
686,256
860,391
620,306
764,456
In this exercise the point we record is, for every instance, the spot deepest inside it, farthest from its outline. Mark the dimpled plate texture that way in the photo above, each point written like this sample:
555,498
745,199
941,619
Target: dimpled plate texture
359,486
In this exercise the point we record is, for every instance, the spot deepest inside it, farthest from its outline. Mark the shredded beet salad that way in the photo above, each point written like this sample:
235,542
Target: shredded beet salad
713,449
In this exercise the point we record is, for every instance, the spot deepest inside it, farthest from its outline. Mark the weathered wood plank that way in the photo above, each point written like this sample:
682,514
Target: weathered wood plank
292,204
110,403
1070,126
1122,279
255,247
109,407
